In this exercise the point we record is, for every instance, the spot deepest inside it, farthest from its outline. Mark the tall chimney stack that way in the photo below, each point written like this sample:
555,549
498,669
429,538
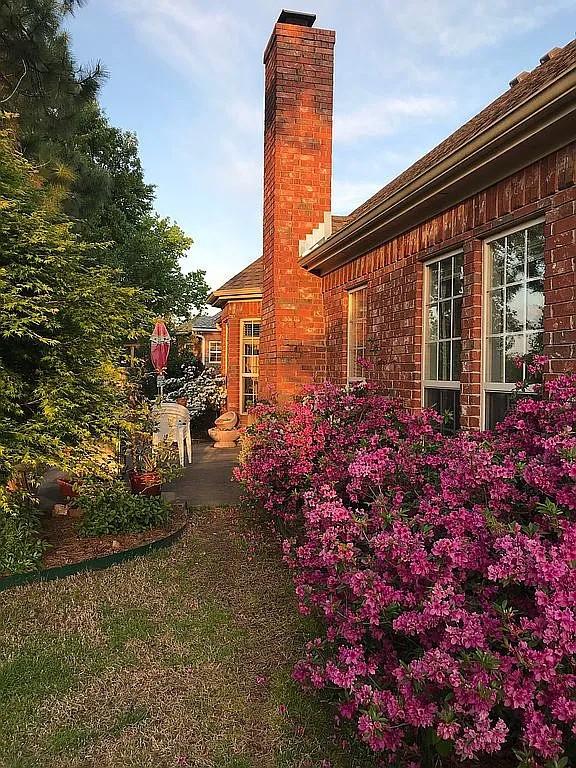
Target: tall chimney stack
299,66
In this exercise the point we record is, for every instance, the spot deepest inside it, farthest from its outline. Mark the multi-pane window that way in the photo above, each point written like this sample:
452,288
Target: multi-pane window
249,364
226,348
514,313
214,352
357,315
443,337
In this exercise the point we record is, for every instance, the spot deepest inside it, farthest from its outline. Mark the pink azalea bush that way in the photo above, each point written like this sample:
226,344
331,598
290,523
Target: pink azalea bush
443,569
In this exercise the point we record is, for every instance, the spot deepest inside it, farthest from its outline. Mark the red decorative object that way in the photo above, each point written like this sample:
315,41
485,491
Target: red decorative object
160,347
67,488
146,483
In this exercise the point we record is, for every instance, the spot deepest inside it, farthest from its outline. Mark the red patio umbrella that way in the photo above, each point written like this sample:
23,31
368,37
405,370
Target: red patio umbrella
159,351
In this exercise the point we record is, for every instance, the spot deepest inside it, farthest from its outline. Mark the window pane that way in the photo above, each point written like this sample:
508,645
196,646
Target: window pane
514,308
432,362
458,274
445,319
447,403
433,282
433,322
495,360
514,349
535,343
535,305
456,363
445,278
497,405
496,311
444,365
457,319
515,254
536,251
498,254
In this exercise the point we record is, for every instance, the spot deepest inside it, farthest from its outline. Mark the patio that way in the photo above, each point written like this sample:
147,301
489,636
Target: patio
207,482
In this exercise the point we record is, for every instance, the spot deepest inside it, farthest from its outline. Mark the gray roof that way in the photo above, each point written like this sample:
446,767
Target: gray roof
199,323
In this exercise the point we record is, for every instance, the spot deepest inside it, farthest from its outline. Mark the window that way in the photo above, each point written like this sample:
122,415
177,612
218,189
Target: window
514,304
226,349
249,353
214,352
357,305
443,337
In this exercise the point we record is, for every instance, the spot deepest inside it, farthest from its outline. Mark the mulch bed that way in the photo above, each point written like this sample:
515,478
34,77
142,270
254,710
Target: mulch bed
67,547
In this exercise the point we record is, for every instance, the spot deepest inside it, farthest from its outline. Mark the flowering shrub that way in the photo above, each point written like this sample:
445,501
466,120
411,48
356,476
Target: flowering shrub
443,567
205,390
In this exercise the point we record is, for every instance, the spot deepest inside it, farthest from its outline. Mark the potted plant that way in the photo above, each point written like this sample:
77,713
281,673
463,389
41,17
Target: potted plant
145,478
152,465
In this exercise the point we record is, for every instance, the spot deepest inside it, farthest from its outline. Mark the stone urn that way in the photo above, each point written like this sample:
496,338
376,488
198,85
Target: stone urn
225,432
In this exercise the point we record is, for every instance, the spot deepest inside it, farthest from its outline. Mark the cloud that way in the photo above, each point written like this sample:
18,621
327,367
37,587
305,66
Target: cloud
195,39
386,116
457,29
348,195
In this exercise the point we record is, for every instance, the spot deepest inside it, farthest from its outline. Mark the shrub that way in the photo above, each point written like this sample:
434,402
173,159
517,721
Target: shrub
21,547
111,508
204,389
443,568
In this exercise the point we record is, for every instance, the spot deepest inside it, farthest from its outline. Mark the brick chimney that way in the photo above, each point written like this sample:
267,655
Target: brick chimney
299,64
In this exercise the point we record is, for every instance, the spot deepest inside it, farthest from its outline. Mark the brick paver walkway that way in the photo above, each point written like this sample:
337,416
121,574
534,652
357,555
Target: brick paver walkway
207,482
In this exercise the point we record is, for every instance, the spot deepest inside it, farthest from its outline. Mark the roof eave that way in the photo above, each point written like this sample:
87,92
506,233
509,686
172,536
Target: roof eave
535,128
221,298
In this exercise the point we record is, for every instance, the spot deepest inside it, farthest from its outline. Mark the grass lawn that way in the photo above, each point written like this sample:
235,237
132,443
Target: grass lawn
182,658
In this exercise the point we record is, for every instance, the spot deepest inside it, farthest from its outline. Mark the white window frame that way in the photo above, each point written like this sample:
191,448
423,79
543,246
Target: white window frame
486,267
433,383
244,376
214,345
349,363
226,349
451,384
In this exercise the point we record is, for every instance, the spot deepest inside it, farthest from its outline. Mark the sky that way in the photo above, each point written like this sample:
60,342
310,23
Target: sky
187,77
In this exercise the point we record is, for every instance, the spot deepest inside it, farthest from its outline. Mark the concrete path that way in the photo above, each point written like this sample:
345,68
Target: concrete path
207,482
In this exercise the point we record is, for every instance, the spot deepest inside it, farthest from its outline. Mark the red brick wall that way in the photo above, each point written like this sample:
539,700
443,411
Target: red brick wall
297,188
232,315
394,272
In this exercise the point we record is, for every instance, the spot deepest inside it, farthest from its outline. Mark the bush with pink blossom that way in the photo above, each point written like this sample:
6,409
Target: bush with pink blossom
444,569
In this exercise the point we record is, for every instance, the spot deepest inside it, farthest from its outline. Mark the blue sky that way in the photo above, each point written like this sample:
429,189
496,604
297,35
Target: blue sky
187,77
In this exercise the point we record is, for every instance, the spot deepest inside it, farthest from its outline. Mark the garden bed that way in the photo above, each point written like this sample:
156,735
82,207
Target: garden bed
68,548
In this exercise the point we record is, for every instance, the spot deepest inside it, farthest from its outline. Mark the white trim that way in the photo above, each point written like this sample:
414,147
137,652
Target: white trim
434,384
364,287
242,375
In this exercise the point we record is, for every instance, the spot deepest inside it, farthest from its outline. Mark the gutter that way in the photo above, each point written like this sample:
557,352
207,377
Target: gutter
219,300
535,128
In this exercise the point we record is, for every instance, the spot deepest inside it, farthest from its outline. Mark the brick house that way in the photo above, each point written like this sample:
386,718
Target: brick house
202,336
438,282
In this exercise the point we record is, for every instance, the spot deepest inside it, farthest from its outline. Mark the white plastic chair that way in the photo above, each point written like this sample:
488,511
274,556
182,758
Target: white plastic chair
173,426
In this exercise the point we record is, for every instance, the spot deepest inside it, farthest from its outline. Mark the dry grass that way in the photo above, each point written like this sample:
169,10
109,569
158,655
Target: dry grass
182,658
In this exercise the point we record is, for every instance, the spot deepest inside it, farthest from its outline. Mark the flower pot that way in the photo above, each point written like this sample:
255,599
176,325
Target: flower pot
146,483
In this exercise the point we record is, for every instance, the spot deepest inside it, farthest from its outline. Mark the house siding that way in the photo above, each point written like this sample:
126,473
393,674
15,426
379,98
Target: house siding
394,271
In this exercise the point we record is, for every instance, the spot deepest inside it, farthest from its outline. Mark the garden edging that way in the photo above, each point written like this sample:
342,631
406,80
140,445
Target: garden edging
92,564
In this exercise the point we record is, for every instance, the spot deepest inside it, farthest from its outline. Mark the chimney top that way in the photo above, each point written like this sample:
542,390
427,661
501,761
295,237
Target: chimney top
297,18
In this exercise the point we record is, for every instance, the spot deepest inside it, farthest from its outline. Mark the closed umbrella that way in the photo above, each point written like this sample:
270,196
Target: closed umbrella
159,351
